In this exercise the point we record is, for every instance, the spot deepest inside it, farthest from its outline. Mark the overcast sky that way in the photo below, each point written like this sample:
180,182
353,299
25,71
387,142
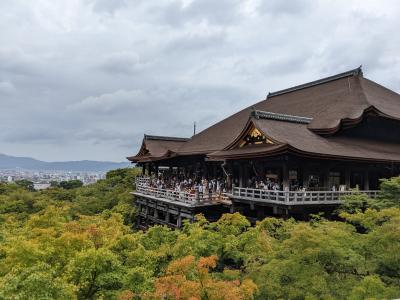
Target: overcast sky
85,79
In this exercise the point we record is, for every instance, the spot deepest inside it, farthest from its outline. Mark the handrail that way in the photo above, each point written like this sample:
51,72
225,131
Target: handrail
178,196
167,194
295,197
142,180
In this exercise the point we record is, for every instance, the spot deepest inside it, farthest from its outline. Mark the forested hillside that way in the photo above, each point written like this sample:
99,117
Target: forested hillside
79,244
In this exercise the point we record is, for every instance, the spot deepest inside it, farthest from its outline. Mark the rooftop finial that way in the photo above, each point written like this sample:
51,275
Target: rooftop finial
359,71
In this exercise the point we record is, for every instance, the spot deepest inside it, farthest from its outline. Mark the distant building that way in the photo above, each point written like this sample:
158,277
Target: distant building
312,143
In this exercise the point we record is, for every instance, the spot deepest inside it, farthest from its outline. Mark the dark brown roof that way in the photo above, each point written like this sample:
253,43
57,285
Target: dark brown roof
296,137
157,147
329,102
304,118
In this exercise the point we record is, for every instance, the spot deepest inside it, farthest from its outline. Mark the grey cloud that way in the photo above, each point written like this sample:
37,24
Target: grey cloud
99,135
278,7
109,103
108,6
177,14
201,39
86,79
122,63
39,135
6,88
14,61
222,11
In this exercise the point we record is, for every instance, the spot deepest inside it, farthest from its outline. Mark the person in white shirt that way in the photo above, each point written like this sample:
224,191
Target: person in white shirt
218,187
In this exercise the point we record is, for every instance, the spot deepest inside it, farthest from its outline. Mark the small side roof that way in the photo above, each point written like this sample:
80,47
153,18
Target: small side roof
157,147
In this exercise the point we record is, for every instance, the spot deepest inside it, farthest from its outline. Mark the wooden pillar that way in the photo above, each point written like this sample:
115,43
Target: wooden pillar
138,215
156,170
285,176
347,177
366,180
149,169
205,168
143,169
227,171
324,177
275,210
300,175
155,211
167,214
260,213
179,221
241,175
147,213
246,174
229,186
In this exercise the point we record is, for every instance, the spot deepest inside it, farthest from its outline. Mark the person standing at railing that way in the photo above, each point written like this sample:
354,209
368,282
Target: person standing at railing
201,190
210,189
276,186
266,186
196,192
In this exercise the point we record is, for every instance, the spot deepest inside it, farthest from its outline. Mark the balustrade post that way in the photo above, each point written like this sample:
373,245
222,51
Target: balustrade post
147,213
167,214
179,220
155,211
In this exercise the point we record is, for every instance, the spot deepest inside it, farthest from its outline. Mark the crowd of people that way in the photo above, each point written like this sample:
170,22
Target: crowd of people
189,185
218,186
266,184
215,185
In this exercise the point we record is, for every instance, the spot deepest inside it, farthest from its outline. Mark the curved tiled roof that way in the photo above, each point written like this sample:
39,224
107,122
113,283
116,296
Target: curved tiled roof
323,107
157,147
327,101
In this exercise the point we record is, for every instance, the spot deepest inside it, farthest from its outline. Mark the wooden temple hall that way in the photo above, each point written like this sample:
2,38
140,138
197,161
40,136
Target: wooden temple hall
296,152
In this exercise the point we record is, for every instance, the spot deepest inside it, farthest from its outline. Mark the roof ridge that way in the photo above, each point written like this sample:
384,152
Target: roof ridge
354,72
280,117
165,138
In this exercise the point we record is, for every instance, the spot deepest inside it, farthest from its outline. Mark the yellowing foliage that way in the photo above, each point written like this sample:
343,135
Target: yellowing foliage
79,244
188,279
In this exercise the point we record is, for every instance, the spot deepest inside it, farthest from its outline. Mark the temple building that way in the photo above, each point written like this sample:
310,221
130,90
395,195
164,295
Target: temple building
294,153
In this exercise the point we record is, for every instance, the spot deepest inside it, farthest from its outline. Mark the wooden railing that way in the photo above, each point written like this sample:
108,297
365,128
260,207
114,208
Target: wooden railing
142,180
295,197
143,187
167,194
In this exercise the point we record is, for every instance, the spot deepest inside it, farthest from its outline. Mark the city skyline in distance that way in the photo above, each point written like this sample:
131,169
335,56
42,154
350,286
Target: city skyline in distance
30,163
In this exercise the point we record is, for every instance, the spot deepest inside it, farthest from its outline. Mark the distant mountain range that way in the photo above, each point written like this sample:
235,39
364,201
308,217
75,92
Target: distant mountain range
28,163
